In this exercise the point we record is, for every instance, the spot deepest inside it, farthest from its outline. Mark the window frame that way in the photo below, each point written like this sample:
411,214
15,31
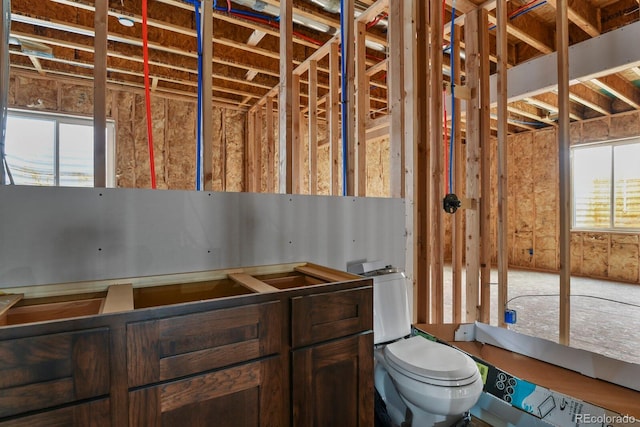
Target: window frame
59,118
611,144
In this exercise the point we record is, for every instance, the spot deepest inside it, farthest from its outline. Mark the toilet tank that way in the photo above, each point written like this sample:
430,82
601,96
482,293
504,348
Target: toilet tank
391,312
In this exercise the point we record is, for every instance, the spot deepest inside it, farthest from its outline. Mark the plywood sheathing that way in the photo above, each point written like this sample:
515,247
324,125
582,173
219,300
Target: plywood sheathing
533,218
174,127
533,207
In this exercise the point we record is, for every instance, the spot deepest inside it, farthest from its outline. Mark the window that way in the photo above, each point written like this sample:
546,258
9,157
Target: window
54,150
606,185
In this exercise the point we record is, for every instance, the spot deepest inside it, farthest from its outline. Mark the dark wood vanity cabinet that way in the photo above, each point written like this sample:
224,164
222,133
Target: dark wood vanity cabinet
332,359
290,348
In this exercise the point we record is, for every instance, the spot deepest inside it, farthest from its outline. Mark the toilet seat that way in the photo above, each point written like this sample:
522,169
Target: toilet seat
430,362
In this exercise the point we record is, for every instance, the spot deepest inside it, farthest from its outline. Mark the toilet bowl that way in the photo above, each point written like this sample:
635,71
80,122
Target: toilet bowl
437,383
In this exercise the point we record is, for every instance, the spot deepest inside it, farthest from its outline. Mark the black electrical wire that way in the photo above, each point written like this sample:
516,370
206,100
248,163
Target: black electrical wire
578,295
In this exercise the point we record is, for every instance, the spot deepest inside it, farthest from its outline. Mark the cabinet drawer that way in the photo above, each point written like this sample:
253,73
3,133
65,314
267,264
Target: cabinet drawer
247,395
92,414
163,349
320,317
49,370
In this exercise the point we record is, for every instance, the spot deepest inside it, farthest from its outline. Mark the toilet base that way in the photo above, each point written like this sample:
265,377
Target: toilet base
420,418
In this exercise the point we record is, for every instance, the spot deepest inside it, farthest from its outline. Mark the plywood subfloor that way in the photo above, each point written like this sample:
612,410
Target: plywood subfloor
597,324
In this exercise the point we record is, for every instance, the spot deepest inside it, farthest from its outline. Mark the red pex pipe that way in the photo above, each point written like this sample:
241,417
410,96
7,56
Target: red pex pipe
147,91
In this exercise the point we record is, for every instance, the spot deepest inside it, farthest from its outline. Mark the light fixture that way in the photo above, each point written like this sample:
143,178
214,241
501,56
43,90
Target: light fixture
125,22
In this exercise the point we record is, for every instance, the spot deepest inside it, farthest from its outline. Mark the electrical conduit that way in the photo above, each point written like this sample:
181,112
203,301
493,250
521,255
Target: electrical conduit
147,90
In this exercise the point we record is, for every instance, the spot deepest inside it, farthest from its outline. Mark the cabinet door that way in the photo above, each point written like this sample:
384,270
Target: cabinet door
164,349
48,370
248,395
92,414
321,317
333,383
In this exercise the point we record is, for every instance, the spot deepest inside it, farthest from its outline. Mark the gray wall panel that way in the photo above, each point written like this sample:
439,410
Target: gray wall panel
57,235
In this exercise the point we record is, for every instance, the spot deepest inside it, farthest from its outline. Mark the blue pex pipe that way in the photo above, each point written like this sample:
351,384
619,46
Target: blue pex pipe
196,4
453,101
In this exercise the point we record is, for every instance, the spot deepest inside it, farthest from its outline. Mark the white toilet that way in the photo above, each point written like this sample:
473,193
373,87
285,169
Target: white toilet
437,383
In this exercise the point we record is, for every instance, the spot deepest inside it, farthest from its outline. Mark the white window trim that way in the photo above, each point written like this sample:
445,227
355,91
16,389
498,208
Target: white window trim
110,149
611,228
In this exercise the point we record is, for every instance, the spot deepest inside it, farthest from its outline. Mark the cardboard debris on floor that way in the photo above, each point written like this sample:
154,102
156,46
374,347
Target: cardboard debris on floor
524,382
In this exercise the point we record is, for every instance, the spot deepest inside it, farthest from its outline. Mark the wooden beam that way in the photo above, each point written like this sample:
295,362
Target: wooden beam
412,224
503,199
297,154
530,32
348,32
621,88
334,118
373,11
362,109
549,101
581,13
37,65
223,16
100,95
485,171
564,156
592,99
436,164
458,184
473,26
285,102
313,127
258,151
395,96
271,147
529,111
250,159
421,152
207,89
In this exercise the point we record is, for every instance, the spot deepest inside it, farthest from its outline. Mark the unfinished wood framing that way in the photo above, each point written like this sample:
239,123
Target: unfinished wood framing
271,147
100,96
207,88
458,183
564,140
348,96
473,25
395,96
297,154
313,126
362,109
257,177
503,209
334,117
285,100
410,173
486,237
250,152
422,297
436,164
